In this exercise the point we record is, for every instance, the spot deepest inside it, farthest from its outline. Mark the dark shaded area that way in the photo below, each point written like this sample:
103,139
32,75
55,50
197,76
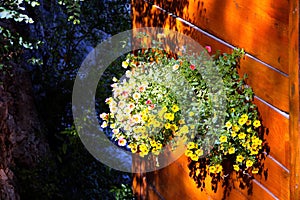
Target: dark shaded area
41,154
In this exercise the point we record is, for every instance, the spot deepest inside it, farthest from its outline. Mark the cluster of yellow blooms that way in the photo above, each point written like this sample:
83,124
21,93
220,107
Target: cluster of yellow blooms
193,151
240,138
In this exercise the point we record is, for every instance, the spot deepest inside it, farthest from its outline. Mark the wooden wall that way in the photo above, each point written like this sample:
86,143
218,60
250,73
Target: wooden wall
268,30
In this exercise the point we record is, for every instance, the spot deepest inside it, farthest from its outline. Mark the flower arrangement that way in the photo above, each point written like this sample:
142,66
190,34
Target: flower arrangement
146,115
144,109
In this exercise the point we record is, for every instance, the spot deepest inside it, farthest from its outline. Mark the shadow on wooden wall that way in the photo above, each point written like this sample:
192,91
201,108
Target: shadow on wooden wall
263,29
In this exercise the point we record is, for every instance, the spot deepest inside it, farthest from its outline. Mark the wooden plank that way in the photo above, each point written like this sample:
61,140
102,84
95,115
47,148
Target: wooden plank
261,27
278,132
277,180
279,99
173,182
294,34
266,83
258,192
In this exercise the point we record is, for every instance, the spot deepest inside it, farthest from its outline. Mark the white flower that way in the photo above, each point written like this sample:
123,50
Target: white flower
122,142
175,67
115,131
113,109
128,74
104,116
121,104
127,110
136,96
104,124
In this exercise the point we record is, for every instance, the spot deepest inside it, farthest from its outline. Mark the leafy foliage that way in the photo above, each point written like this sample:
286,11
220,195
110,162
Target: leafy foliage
241,148
55,36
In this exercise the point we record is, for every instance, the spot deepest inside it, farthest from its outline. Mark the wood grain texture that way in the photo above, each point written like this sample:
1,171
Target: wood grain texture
294,33
276,134
261,27
266,83
266,40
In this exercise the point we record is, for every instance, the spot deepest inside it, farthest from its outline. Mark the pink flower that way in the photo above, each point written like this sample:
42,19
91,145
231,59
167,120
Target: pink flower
192,67
125,94
208,48
122,142
148,102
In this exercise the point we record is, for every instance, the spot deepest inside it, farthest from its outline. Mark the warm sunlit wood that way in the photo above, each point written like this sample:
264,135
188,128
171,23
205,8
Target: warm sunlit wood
269,31
294,97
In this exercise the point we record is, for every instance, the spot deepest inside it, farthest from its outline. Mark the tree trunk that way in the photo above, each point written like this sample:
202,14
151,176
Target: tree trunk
22,142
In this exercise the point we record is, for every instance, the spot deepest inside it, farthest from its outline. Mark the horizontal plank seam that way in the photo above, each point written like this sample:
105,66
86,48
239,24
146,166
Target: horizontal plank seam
215,38
278,163
266,64
286,115
156,192
265,189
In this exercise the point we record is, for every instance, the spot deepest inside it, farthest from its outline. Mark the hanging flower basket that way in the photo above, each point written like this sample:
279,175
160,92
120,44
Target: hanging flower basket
148,113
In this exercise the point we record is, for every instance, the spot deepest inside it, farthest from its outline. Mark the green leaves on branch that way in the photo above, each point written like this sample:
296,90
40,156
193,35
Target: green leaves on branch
73,9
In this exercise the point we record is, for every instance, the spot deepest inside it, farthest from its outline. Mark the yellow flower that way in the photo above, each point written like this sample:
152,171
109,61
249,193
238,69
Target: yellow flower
233,134
175,108
181,121
231,150
155,151
143,153
191,114
235,128
167,125
174,127
248,123
156,124
199,152
228,125
153,143
219,168
169,116
192,145
164,109
239,158
158,145
245,116
242,135
144,150
249,163
212,169
232,110
133,147
223,138
249,130
254,152
194,157
236,167
143,147
256,123
221,147
184,129
242,121
255,171
188,153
